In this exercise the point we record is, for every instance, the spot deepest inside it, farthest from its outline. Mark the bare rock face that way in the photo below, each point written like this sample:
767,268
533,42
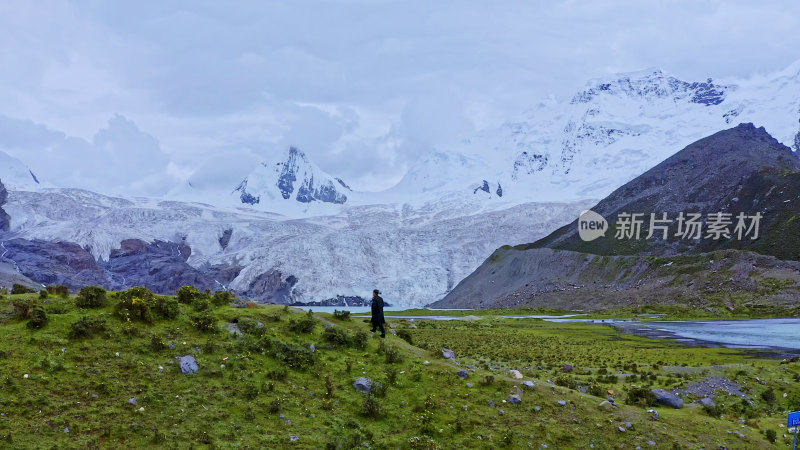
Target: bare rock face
55,263
5,219
272,287
159,266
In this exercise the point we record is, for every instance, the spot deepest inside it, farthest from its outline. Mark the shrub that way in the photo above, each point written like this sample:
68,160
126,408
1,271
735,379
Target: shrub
488,380
597,391
188,294
222,298
23,308
391,375
566,381
166,307
341,315
59,290
641,396
378,389
87,326
405,335
304,325
21,289
336,335
772,436
393,355
360,340
43,294
295,356
38,318
135,304
370,407
91,297
769,397
204,321
251,326
157,343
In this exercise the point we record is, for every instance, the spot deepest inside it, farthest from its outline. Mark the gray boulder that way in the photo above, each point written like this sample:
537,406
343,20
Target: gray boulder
449,354
514,399
188,364
528,384
666,398
707,402
463,374
363,384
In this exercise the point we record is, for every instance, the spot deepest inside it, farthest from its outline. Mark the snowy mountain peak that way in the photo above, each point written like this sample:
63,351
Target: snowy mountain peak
15,174
293,177
653,83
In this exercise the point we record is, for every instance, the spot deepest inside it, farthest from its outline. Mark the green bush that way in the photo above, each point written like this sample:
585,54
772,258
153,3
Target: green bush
566,381
157,343
370,407
303,325
341,315
38,318
135,304
295,356
393,355
43,294
204,321
21,289
771,436
488,380
91,297
87,327
22,308
405,335
59,290
337,336
360,340
188,294
222,298
641,396
166,307
251,326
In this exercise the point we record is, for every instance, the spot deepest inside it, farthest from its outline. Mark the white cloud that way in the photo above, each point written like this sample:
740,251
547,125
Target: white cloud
362,86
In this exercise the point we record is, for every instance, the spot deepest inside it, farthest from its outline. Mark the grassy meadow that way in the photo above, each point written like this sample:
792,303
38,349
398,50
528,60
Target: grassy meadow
100,370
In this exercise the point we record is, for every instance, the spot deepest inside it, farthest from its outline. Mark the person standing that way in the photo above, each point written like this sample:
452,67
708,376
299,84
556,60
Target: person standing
377,313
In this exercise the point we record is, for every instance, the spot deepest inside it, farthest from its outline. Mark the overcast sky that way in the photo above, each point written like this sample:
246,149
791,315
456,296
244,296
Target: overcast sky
134,96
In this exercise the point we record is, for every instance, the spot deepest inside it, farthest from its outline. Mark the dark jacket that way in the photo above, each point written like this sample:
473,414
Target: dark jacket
377,311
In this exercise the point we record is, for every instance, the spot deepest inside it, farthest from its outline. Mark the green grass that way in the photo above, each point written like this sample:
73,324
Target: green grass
245,383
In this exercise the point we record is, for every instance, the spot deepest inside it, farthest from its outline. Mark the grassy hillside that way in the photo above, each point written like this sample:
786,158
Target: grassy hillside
70,382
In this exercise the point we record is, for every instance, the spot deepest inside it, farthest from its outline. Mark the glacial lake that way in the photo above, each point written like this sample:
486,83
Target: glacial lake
766,334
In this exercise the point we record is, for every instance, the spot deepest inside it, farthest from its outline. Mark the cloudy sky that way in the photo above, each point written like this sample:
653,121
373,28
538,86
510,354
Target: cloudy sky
138,96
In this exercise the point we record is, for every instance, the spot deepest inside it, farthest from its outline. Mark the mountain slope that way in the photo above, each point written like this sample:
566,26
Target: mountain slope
749,172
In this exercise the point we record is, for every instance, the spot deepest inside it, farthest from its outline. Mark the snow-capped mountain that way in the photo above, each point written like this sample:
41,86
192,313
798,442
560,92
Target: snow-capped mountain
610,131
294,232
16,175
414,256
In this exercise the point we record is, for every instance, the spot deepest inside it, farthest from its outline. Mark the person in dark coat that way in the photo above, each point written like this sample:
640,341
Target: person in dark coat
377,313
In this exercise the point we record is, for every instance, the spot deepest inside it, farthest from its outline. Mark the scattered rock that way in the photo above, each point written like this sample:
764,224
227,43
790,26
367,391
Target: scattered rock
491,403
653,414
449,354
606,405
234,329
66,429
463,374
427,363
562,403
706,402
188,364
313,348
514,399
363,385
622,429
651,443
133,401
528,384
668,399
567,368
294,438
470,385
516,374
501,411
